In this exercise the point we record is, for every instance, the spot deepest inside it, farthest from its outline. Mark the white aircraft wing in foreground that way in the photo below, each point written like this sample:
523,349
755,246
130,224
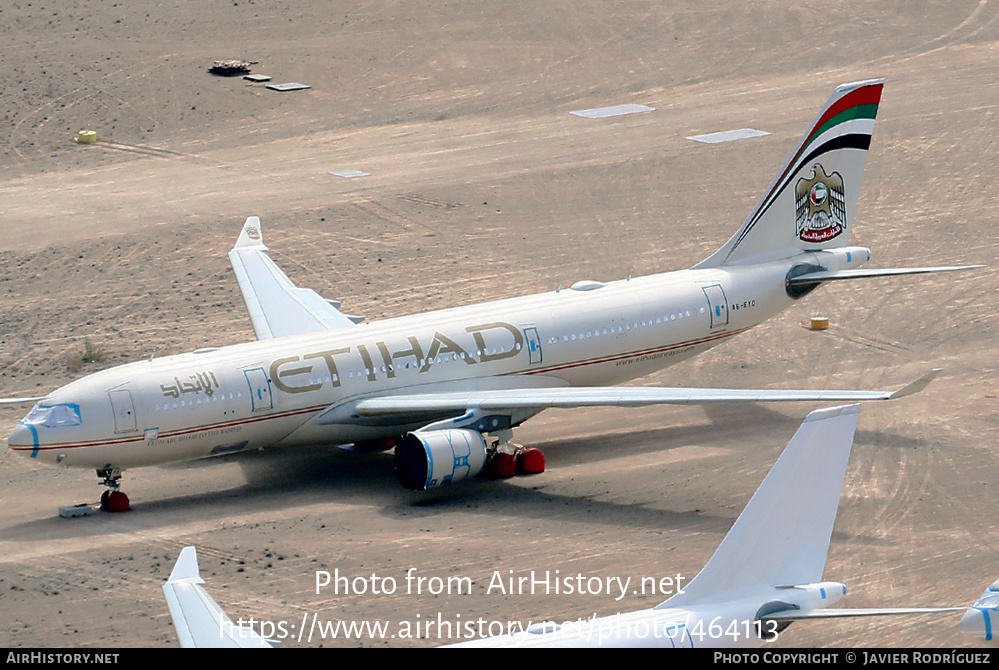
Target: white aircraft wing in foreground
449,386
276,306
197,618
766,573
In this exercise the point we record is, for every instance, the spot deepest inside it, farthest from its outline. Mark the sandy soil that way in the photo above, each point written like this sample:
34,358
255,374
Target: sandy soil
482,185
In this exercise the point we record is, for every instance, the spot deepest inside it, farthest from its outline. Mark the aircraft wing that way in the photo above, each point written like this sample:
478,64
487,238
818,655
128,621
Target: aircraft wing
620,396
20,401
198,619
277,307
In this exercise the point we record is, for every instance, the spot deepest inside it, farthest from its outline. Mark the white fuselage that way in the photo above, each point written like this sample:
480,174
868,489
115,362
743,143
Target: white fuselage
271,392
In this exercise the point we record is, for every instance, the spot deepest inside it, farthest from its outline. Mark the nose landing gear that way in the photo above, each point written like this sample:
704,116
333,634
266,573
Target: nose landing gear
113,500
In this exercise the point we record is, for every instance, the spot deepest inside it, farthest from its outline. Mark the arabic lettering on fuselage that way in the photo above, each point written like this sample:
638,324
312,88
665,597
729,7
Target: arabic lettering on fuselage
285,372
202,381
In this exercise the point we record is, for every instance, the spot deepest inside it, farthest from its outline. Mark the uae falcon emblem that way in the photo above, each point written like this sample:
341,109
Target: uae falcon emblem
820,206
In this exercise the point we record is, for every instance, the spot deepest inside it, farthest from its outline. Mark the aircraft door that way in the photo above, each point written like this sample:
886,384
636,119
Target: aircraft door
123,409
533,344
717,304
260,389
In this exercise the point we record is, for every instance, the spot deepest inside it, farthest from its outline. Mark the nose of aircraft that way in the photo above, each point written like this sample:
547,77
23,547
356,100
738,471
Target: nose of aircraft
22,438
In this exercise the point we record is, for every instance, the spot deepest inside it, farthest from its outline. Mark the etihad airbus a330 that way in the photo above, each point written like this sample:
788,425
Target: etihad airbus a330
447,387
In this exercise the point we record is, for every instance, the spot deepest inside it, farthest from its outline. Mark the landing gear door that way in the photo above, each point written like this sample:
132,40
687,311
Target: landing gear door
533,344
124,411
717,304
260,389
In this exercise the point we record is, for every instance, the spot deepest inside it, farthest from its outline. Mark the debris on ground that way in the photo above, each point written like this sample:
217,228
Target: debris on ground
231,68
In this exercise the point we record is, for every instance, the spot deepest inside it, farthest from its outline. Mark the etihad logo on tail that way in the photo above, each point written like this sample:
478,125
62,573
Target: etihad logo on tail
820,206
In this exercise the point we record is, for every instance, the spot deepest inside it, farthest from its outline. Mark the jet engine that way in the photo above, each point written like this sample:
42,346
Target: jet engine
424,460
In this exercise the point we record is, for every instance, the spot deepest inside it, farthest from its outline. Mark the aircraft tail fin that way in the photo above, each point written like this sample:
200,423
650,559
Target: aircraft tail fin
810,203
782,536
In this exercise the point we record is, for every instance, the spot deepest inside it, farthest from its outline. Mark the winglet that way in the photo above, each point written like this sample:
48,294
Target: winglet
186,567
917,385
198,620
251,236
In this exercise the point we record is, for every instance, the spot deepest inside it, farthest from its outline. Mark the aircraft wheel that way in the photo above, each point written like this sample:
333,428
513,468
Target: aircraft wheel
530,461
502,466
116,502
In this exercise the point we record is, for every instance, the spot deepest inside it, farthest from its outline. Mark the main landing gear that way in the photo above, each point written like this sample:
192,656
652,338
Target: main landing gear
436,456
113,500
506,459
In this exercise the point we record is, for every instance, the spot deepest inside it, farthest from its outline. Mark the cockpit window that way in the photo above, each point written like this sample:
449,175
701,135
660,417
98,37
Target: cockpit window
54,416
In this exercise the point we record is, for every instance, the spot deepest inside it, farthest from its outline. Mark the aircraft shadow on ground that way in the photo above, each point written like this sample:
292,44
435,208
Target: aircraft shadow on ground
730,425
281,478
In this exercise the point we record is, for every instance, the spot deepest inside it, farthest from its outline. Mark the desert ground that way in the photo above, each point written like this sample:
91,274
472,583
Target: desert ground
481,185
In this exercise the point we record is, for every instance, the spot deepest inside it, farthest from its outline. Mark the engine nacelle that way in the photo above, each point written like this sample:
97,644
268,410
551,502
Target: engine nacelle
981,619
424,460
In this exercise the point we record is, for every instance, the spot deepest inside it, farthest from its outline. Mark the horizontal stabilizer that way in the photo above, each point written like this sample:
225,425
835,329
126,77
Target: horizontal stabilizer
833,275
801,615
197,618
277,307
600,396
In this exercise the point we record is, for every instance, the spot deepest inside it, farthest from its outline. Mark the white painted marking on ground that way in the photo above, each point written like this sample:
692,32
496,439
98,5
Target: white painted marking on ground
728,135
349,174
290,86
617,110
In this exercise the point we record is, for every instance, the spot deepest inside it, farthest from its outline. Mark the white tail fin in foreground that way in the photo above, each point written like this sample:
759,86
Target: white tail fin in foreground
810,203
782,536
